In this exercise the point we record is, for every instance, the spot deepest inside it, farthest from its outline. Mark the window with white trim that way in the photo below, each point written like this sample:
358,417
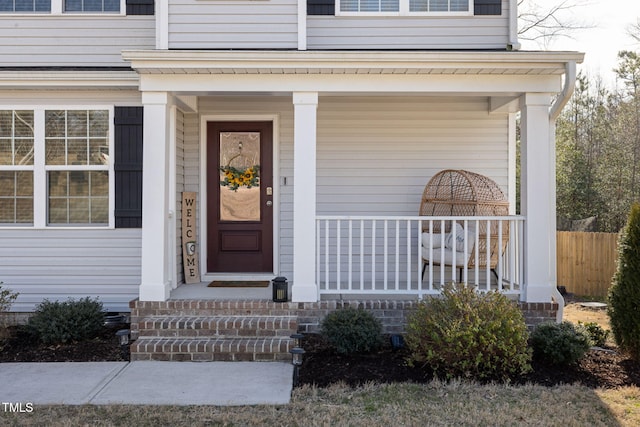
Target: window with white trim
92,6
402,7
77,165
55,167
16,167
25,6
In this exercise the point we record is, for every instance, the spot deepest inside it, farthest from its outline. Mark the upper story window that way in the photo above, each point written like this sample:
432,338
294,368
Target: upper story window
92,6
25,6
438,5
405,7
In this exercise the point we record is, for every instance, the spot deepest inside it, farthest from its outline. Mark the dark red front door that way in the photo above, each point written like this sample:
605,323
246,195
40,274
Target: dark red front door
240,197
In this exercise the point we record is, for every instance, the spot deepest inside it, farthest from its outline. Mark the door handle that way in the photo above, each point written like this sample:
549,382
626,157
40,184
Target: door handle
269,203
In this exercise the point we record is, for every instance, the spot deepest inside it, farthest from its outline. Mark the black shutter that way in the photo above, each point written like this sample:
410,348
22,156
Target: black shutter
321,7
140,7
487,7
128,166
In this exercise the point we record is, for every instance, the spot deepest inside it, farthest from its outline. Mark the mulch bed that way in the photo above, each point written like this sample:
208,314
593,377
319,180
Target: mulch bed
23,348
322,366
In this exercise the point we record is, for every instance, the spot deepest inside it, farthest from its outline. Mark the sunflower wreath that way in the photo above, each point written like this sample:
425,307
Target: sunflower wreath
235,178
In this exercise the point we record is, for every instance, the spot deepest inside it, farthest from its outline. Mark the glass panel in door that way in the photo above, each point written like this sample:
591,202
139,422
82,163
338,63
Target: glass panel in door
240,176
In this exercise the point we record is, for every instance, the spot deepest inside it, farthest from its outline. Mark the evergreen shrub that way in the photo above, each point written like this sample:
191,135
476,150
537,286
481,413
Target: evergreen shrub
63,322
559,343
352,330
597,333
624,294
469,334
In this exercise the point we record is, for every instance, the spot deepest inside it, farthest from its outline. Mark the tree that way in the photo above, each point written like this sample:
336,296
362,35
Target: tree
624,294
581,130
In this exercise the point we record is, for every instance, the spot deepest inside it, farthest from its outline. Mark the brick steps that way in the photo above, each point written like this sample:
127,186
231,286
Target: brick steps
208,349
209,330
215,307
225,326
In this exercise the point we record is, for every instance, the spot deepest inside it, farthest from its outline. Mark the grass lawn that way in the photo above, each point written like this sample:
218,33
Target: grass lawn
455,403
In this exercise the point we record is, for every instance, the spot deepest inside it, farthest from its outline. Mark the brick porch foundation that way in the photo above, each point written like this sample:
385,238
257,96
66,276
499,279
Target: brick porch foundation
206,330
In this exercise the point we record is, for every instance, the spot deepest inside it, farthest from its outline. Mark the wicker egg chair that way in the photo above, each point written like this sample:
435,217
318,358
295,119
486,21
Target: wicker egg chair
463,193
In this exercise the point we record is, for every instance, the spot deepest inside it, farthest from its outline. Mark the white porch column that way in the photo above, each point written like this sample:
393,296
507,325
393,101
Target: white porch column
155,283
304,287
538,197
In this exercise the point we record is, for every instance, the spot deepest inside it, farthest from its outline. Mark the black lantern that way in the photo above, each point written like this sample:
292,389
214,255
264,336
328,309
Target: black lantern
298,337
280,289
123,340
296,358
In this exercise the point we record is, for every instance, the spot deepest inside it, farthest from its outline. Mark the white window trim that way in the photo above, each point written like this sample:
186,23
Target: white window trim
18,168
40,169
404,11
57,9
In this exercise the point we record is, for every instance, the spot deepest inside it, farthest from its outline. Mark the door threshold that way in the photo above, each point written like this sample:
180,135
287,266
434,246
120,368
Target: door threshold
238,277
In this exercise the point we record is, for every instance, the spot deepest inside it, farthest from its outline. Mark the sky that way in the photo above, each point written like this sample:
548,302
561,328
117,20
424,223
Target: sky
609,20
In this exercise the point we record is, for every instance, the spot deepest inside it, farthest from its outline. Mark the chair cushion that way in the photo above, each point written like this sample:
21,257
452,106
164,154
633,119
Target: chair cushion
444,256
455,239
432,238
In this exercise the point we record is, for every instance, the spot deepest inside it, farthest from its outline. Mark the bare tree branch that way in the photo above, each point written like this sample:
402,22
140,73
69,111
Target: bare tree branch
543,24
634,31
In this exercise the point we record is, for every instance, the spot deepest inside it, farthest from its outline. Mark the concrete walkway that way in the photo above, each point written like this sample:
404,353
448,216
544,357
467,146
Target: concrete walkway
147,383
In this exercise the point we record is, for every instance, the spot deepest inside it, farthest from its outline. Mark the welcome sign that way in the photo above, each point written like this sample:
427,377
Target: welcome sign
189,243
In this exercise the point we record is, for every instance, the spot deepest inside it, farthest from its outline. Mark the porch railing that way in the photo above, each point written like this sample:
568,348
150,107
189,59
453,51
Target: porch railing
417,255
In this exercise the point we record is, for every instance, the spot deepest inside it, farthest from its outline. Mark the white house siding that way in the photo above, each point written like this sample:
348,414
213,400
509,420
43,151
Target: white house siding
58,99
233,24
58,264
188,175
420,32
179,189
72,40
375,154
61,263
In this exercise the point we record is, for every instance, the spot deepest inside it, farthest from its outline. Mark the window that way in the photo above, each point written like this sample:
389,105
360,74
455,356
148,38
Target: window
405,7
63,157
438,5
16,167
92,6
25,5
77,165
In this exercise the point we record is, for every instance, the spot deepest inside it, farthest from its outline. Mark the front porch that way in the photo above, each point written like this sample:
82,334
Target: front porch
350,158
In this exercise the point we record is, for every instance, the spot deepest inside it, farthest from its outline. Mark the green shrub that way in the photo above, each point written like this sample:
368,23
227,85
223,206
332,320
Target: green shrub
559,343
62,322
597,334
469,334
624,294
7,297
352,330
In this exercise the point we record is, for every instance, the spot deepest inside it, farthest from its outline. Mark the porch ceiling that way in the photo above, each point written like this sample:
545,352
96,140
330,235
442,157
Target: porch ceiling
350,62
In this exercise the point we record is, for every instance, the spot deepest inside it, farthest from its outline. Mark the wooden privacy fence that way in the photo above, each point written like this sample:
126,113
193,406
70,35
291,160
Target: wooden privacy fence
586,261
